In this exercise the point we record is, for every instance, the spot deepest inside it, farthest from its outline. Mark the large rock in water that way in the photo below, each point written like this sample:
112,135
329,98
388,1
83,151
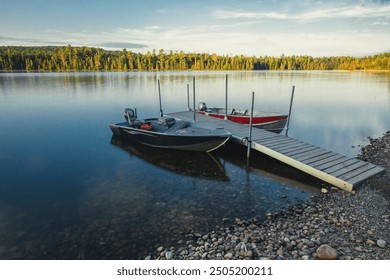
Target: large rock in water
325,252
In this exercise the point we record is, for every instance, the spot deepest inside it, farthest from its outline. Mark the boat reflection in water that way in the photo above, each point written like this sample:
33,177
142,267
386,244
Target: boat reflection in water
201,165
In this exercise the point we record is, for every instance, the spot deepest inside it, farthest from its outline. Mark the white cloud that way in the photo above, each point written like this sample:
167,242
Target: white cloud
360,11
227,40
349,12
380,22
225,14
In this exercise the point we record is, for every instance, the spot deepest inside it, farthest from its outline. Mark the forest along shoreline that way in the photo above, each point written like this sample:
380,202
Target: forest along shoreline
68,58
333,225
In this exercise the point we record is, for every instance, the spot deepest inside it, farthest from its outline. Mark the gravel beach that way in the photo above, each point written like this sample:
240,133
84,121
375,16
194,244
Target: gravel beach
332,225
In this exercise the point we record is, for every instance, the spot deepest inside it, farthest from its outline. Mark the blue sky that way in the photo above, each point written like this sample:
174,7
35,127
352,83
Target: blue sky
249,27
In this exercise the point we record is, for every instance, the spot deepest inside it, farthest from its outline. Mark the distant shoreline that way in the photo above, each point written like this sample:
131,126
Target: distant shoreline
168,71
82,59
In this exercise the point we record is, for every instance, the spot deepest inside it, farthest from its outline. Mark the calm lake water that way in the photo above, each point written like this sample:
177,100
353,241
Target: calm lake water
70,191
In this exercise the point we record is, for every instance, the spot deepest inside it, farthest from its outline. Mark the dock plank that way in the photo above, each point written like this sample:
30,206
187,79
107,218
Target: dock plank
315,153
329,164
292,148
264,138
361,177
349,168
343,164
314,163
327,155
302,152
285,142
275,142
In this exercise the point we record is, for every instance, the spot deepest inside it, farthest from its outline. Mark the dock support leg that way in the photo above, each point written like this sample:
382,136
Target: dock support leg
250,128
226,99
159,97
188,97
289,111
193,80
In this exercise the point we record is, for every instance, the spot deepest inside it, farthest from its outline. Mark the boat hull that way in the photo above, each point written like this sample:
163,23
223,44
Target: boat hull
189,142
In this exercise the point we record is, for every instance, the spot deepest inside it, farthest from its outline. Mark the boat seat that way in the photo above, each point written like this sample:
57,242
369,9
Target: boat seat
178,125
167,121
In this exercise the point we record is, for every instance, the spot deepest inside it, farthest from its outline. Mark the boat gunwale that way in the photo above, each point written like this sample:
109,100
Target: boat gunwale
221,131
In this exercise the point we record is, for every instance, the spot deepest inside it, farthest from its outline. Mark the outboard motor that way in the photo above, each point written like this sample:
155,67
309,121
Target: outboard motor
130,115
202,107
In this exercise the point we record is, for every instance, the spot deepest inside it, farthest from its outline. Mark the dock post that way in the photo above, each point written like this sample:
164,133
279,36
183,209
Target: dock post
193,80
289,111
226,99
159,97
188,97
250,129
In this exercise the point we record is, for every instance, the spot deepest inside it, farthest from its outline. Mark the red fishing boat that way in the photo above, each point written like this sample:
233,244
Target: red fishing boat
274,122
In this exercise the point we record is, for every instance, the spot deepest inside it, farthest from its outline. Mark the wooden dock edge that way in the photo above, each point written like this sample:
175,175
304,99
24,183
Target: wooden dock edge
301,166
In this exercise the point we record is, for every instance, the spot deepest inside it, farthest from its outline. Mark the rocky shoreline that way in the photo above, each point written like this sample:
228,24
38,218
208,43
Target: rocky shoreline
332,225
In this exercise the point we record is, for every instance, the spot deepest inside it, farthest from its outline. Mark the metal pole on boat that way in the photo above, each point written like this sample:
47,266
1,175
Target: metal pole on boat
226,98
193,80
188,97
250,128
159,97
289,111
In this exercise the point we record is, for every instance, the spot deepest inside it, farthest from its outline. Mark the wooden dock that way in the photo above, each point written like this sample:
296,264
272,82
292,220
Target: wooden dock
338,170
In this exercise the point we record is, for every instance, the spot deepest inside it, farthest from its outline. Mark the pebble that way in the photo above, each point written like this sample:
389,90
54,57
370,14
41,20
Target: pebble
159,249
370,242
381,243
169,255
326,252
228,256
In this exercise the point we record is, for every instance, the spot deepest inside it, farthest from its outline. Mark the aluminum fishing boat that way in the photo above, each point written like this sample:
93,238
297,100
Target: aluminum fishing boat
170,133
